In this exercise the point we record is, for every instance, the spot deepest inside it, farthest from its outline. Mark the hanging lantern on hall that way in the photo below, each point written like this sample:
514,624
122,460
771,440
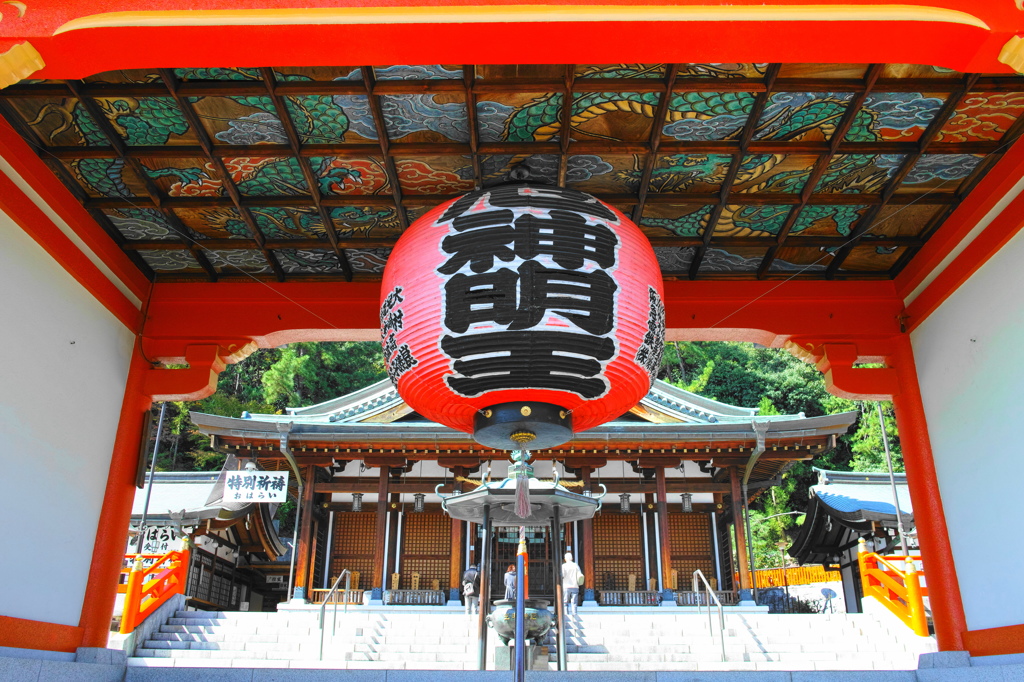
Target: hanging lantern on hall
522,314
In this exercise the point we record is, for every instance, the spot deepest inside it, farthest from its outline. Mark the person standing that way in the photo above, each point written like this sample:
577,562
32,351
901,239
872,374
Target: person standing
510,582
471,589
572,579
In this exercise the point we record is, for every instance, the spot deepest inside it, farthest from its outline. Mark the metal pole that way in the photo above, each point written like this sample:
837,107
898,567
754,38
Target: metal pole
556,545
520,667
149,485
484,600
892,482
295,539
752,563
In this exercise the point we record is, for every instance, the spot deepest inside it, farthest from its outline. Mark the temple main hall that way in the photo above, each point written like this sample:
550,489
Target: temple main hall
673,474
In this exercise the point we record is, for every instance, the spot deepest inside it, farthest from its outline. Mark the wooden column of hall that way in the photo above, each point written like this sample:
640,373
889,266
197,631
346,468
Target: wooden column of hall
394,542
653,561
663,535
743,560
458,559
302,555
588,539
382,520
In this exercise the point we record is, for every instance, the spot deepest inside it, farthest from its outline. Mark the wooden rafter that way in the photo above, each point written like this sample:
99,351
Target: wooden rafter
747,134
369,81
654,142
295,147
227,182
565,123
468,79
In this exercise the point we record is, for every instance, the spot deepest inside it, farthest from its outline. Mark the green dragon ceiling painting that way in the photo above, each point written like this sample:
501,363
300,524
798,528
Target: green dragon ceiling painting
734,171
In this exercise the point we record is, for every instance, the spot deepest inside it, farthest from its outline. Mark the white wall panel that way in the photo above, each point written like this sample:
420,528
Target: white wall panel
970,363
64,363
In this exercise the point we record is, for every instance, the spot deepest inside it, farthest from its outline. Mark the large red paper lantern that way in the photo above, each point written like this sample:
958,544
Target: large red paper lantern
522,314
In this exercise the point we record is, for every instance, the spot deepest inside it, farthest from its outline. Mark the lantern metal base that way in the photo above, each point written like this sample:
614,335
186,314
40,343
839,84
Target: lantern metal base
522,426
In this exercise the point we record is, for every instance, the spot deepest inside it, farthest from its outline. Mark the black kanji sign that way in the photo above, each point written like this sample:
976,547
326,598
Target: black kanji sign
522,260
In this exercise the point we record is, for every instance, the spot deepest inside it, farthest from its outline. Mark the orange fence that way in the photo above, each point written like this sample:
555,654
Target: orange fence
148,588
899,589
797,575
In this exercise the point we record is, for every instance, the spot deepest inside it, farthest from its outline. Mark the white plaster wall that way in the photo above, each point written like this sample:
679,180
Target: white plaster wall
63,364
971,369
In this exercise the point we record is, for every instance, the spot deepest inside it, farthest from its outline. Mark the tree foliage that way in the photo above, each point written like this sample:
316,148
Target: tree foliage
778,383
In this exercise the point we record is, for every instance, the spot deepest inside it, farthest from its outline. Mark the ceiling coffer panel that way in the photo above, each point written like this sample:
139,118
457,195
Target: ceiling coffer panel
732,170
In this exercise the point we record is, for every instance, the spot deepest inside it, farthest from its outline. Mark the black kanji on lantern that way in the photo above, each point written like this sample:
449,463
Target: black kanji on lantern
398,358
502,360
521,196
520,298
648,355
516,255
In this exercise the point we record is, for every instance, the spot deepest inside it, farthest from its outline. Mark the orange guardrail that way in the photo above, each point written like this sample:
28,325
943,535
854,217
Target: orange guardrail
793,575
898,589
147,588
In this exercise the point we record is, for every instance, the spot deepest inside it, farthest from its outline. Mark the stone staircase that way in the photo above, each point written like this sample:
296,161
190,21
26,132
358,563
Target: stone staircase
753,641
610,640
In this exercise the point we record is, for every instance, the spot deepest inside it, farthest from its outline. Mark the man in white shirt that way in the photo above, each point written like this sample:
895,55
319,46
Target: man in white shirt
572,579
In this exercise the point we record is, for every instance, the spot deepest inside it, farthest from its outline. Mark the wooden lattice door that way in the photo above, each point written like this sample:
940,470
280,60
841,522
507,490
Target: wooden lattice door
354,538
618,551
690,537
426,549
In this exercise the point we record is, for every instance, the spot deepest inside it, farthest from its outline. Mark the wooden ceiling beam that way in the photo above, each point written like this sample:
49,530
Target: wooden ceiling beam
387,243
312,182
667,199
565,125
171,83
507,85
468,80
654,141
747,134
369,81
401,149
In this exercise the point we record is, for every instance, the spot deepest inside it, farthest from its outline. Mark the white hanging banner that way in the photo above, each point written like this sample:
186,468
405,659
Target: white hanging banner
256,486
159,540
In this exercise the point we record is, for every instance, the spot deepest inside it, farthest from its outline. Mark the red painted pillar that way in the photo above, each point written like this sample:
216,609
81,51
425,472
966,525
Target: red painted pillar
929,517
112,530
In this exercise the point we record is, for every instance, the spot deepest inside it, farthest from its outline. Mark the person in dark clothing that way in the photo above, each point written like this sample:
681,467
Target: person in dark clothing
471,589
510,582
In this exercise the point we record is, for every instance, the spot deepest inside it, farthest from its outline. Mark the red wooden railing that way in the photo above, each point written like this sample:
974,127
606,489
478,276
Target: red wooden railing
898,589
148,588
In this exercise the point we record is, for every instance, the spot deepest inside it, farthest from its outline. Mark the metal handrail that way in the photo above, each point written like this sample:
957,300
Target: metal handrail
721,615
347,575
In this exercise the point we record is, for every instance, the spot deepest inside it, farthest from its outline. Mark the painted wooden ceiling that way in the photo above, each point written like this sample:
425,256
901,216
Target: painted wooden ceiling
734,171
